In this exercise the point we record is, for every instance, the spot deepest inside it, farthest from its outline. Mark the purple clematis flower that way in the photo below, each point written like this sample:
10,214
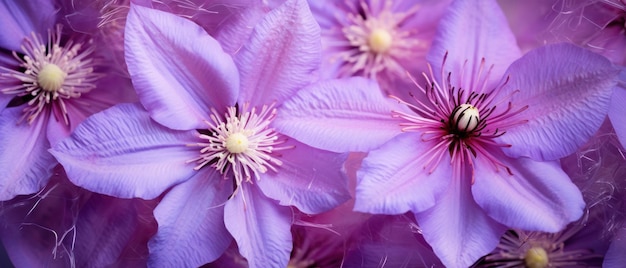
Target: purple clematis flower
207,140
475,150
379,39
51,78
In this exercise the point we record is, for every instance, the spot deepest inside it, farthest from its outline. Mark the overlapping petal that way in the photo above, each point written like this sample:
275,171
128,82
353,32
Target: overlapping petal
21,18
340,115
191,222
281,56
123,152
538,196
25,162
617,110
615,256
261,227
456,228
310,179
568,90
176,68
469,32
399,177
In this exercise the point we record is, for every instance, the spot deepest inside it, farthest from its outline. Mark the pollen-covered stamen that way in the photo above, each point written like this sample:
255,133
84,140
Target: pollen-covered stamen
372,42
241,142
50,74
536,257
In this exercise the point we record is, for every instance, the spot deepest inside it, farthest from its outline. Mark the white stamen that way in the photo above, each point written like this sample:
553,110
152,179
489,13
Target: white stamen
380,40
51,77
465,117
237,143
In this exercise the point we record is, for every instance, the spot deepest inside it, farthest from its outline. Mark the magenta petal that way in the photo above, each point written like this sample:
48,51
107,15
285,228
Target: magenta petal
568,90
21,18
178,70
281,55
261,227
124,153
470,31
394,178
309,179
191,222
539,196
617,110
340,115
456,228
25,163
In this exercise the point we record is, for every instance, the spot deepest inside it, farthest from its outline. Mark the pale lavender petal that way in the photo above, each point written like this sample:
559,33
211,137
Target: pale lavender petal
238,29
24,159
310,179
124,153
617,111
468,32
615,257
456,228
21,18
568,90
261,227
539,196
397,177
340,115
281,55
178,70
191,222
330,13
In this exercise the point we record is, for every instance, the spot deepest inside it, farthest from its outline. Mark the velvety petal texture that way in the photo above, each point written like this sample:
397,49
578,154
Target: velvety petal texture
467,32
175,65
21,18
24,159
310,179
261,227
340,115
191,222
123,152
567,90
617,110
456,228
394,179
539,196
281,55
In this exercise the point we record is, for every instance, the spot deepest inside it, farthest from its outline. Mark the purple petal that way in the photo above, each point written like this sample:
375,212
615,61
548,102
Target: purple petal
615,256
456,228
617,110
568,90
236,31
261,227
191,222
340,115
467,32
21,18
25,162
122,152
539,196
178,70
280,56
309,179
394,178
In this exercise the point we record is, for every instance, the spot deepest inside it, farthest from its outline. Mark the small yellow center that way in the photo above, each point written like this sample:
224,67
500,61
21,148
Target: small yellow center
237,143
51,77
380,40
536,257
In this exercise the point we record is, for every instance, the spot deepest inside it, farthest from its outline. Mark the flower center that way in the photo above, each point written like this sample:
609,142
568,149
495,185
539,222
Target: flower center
374,39
464,118
237,143
240,142
536,257
380,40
51,77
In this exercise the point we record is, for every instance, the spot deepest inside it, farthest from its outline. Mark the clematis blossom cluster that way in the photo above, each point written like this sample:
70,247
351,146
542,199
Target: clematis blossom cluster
305,133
